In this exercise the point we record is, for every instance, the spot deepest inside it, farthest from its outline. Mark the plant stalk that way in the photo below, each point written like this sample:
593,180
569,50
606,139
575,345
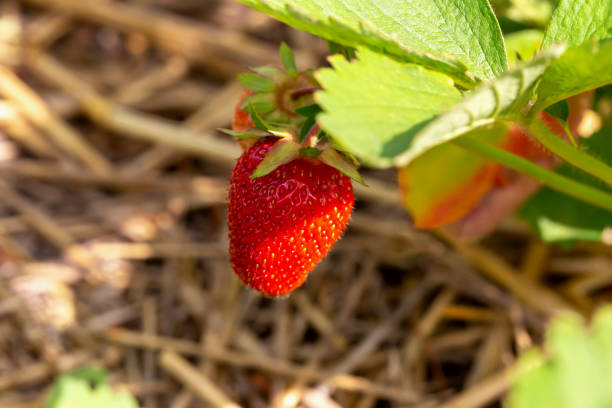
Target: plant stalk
551,179
569,153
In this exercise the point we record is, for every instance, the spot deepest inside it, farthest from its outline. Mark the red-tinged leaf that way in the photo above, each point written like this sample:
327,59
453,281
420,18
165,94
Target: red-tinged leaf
446,183
449,184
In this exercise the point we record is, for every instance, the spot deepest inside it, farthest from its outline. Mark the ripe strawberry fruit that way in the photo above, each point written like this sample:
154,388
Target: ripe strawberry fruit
283,223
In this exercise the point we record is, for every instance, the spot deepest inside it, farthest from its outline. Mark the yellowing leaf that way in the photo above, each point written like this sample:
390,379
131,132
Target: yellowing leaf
447,182
575,370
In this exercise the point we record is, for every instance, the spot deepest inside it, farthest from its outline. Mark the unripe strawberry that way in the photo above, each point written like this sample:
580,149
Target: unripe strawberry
242,119
283,223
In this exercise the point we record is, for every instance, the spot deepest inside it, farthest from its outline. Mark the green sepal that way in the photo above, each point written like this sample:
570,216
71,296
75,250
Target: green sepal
559,110
258,98
308,124
256,83
349,156
310,152
337,161
257,119
268,71
244,134
260,108
281,133
288,59
280,153
309,110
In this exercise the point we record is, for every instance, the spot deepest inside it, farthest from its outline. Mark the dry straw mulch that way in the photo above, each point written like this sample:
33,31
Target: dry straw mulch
113,237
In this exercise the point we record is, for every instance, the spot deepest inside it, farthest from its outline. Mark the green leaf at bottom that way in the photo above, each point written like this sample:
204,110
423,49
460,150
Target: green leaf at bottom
87,389
577,373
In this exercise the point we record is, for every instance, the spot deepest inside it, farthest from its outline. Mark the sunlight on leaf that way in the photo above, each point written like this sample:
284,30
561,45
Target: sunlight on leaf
375,105
499,99
579,69
576,21
419,31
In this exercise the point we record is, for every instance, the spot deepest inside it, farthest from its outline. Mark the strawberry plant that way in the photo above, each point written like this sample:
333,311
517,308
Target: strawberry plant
290,195
475,122
283,223
575,369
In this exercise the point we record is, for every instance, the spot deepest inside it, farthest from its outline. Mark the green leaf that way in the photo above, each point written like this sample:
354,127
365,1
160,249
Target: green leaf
557,217
419,31
522,43
375,105
87,388
280,153
537,375
579,69
288,59
256,82
527,12
576,375
268,71
575,21
499,99
553,231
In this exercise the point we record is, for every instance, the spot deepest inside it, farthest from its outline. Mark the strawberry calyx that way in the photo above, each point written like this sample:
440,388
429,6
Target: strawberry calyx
275,95
287,149
279,103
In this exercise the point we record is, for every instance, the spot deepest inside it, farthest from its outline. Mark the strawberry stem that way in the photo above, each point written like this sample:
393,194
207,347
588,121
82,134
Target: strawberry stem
568,153
551,179
304,91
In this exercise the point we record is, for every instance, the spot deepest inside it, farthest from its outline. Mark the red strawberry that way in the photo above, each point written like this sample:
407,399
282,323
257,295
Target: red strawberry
282,224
